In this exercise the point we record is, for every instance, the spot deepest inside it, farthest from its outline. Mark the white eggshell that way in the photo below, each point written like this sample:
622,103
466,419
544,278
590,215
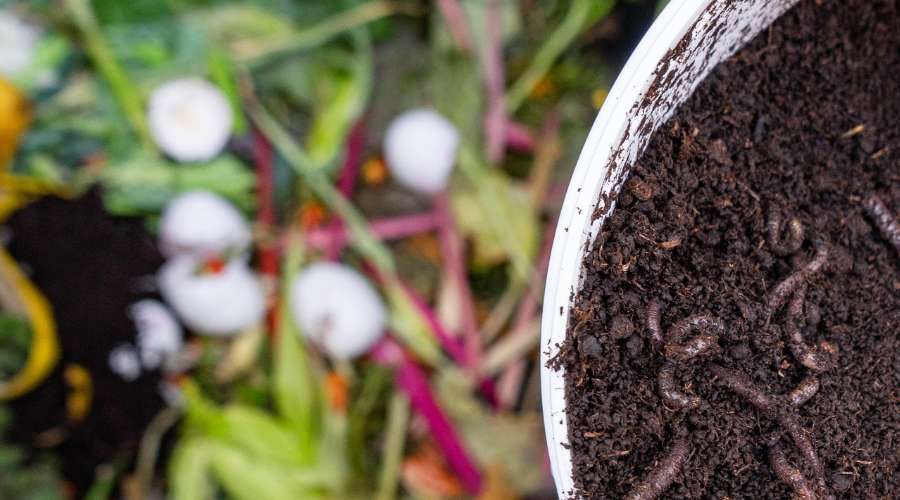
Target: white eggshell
125,362
18,44
190,119
215,304
202,223
420,148
338,309
159,336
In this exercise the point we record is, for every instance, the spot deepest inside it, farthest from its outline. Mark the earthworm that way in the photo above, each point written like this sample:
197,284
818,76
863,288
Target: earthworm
744,387
801,439
661,476
805,390
741,385
809,357
789,474
789,244
699,345
791,284
883,218
667,390
653,321
695,322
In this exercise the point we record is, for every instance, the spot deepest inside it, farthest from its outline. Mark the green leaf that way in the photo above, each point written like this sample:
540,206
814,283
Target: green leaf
340,100
295,389
144,184
244,477
189,469
498,216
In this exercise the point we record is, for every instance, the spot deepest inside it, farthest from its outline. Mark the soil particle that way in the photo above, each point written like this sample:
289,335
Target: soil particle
801,123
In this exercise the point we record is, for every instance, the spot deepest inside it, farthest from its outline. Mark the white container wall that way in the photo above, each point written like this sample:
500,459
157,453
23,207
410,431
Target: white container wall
684,43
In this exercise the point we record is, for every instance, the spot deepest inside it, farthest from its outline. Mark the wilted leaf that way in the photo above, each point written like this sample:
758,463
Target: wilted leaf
499,218
494,438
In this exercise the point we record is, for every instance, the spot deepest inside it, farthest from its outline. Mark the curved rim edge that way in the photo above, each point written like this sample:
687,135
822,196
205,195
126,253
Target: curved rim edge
581,197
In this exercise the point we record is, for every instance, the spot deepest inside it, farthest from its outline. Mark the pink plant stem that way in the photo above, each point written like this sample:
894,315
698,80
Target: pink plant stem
455,17
492,61
519,137
448,342
265,216
336,237
455,270
352,159
347,178
413,381
510,381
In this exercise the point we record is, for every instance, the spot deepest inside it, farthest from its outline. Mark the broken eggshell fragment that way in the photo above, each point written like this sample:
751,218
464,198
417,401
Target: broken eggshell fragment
219,302
159,337
420,147
202,223
337,308
190,119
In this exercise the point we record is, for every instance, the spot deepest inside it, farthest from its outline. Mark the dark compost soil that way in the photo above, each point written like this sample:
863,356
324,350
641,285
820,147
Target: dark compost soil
91,267
802,123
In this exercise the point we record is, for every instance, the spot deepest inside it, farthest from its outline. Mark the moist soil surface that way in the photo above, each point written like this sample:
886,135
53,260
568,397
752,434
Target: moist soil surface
801,123
91,267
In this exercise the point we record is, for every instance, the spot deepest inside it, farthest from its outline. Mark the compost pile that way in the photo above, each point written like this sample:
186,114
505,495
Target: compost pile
736,333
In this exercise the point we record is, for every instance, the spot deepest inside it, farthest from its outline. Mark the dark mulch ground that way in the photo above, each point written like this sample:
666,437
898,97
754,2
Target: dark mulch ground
763,134
91,267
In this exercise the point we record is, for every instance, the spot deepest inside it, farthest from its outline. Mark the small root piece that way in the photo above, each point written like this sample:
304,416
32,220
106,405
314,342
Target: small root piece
670,394
805,390
789,474
803,442
788,245
741,385
653,321
884,219
660,477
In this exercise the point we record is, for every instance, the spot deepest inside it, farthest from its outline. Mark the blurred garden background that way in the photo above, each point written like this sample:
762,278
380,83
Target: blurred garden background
286,249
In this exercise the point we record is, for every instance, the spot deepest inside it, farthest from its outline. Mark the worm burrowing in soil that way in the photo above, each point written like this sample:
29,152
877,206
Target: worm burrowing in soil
884,219
660,477
789,244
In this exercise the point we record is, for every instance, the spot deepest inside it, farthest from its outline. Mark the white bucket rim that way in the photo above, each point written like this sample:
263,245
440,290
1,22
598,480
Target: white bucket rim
591,177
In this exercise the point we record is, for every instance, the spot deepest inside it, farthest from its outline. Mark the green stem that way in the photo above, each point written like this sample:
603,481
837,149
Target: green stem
358,16
364,241
105,60
394,442
559,40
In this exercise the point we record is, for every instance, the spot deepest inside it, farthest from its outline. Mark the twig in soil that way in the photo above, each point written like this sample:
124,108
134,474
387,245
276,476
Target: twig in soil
884,219
790,284
674,397
805,390
789,474
784,245
653,321
660,477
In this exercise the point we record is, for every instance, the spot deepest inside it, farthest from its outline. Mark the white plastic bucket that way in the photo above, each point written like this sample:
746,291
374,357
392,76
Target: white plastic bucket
684,43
